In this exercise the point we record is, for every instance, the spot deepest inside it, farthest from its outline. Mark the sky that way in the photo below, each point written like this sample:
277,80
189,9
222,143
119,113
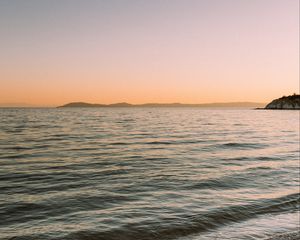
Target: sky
190,51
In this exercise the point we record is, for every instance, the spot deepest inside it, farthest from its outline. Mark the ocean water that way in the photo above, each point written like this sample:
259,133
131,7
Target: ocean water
148,173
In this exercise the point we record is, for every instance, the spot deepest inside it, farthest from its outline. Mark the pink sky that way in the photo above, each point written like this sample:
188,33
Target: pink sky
54,52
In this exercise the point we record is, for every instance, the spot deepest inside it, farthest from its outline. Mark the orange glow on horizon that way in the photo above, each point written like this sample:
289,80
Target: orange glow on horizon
187,52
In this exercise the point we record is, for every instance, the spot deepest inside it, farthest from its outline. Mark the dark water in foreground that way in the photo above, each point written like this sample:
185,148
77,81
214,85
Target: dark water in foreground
182,173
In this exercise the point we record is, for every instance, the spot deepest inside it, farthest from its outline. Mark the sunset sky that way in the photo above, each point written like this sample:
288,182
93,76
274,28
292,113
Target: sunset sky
189,51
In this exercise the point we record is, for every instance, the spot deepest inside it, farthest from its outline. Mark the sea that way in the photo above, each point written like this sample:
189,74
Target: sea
148,173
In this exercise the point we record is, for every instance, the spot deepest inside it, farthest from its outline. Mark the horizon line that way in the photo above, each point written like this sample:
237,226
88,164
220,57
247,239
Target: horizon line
28,105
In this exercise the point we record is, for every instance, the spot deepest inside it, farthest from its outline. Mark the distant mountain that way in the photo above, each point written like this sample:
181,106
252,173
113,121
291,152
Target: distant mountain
124,104
229,104
83,104
289,102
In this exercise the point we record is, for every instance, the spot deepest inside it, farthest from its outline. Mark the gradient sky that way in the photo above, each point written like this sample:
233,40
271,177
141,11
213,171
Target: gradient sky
190,51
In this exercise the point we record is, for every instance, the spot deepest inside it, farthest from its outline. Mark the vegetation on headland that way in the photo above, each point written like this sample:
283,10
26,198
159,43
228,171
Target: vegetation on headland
285,102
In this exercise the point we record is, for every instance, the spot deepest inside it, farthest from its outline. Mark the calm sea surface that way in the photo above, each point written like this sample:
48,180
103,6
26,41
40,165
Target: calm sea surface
148,173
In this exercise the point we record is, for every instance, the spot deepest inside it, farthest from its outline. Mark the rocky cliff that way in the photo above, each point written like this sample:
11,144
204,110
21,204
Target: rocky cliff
289,102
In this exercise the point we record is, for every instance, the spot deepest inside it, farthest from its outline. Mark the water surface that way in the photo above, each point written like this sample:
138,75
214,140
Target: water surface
148,173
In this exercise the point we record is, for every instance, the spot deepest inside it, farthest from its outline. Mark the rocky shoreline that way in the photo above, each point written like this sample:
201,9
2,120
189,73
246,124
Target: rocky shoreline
291,102
286,236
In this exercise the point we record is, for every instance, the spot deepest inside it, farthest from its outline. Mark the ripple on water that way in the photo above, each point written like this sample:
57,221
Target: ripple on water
147,174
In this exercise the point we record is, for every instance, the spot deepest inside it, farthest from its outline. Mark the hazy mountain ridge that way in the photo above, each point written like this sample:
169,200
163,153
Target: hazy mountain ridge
124,104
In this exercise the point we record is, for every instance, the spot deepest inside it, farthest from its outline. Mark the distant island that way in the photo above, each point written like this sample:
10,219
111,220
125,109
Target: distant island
291,102
124,104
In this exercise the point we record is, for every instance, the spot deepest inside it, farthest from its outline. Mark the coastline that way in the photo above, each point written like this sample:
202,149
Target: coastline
286,236
276,108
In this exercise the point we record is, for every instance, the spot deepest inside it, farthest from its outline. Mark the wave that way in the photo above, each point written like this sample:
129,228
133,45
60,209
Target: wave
17,212
195,223
176,142
237,145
